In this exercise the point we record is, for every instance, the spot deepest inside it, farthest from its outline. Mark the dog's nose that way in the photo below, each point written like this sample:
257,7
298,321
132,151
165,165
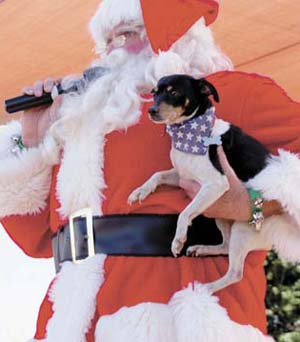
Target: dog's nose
153,111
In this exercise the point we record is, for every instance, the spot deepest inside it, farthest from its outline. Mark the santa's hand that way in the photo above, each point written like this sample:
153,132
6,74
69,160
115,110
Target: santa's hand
36,121
234,204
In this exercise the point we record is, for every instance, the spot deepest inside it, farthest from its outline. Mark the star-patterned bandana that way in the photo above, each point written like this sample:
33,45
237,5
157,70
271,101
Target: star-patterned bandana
194,136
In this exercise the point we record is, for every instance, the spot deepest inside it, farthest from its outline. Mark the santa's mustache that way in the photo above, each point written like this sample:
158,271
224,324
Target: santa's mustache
115,96
115,59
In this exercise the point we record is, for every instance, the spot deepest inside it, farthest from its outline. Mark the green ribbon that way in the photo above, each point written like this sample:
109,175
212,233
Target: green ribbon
20,144
254,195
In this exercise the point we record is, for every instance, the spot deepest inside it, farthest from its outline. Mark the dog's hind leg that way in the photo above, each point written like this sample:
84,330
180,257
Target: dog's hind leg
242,241
223,248
168,177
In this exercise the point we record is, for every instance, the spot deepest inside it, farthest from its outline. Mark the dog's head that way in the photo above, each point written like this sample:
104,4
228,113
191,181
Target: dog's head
178,98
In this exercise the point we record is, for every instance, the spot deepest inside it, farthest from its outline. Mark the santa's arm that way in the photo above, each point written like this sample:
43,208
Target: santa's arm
31,233
273,117
25,179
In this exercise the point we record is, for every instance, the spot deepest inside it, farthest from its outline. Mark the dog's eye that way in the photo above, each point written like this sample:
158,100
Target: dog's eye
154,91
175,93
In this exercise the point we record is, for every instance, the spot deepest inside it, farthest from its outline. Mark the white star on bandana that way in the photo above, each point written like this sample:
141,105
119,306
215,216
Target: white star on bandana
189,136
194,125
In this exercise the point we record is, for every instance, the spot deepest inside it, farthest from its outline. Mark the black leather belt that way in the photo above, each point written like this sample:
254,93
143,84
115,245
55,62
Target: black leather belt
129,235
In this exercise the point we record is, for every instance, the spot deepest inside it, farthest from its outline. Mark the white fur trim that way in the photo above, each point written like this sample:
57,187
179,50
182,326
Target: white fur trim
184,56
81,188
191,315
280,181
165,64
283,234
197,313
145,322
198,48
25,177
111,13
74,299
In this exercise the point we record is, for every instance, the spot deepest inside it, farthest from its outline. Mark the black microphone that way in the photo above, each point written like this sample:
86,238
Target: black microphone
78,86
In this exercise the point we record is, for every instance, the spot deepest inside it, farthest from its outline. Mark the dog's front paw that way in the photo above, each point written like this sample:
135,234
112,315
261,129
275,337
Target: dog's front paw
198,250
177,245
139,194
181,234
193,251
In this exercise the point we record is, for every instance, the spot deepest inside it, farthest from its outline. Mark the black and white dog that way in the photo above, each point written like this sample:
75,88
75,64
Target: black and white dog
182,103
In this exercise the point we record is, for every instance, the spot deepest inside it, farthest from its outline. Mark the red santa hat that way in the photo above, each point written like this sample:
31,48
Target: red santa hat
165,20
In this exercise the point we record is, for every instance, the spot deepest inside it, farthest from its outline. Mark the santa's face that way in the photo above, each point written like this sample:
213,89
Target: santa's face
128,36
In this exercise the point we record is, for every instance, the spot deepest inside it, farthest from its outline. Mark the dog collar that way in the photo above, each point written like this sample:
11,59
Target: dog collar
194,135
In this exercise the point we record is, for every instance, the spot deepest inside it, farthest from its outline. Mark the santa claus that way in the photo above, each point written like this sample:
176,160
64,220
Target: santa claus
87,152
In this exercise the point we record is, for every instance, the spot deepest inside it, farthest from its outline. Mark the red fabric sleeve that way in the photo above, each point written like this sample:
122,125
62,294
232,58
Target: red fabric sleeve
271,116
31,233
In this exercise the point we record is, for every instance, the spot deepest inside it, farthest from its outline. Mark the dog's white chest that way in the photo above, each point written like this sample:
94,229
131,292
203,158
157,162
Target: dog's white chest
196,167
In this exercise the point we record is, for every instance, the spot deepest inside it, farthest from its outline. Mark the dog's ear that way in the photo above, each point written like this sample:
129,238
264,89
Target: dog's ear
208,89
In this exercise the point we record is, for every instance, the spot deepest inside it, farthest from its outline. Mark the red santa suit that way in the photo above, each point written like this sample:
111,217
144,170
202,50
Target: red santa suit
111,298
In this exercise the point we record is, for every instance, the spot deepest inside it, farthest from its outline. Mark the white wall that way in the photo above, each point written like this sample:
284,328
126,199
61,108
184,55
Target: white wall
23,284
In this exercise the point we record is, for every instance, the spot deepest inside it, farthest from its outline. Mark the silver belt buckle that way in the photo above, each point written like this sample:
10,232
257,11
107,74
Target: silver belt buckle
86,213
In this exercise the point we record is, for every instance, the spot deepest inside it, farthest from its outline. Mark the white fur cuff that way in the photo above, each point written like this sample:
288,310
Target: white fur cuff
281,181
25,177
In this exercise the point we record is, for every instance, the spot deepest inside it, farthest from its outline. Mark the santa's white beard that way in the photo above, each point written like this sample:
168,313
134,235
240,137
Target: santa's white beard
112,100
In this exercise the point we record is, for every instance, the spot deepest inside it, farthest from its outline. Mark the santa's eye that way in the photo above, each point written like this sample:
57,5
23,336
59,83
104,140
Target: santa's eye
126,33
129,34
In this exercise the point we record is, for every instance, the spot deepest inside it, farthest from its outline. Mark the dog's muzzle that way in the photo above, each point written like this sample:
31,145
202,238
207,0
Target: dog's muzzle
154,114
